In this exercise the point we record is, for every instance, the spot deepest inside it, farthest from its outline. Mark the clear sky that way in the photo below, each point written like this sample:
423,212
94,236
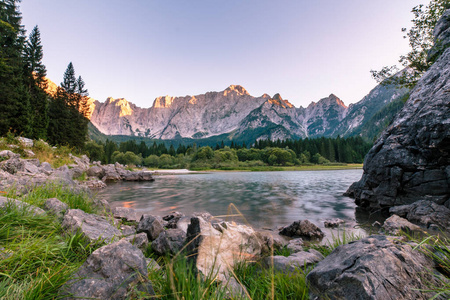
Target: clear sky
142,49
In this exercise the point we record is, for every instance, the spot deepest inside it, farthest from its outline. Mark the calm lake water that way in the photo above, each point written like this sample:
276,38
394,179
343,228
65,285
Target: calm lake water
265,199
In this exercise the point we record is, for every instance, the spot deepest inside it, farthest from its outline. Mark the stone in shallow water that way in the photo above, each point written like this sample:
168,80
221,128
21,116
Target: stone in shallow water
303,229
333,223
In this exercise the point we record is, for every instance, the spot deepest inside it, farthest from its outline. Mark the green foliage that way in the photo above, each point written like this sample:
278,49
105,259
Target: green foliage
421,40
39,259
182,282
264,283
14,95
94,151
68,112
127,158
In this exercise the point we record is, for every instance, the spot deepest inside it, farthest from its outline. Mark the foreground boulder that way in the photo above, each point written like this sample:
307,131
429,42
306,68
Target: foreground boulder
411,159
151,226
373,268
115,271
92,227
426,213
302,229
216,249
170,241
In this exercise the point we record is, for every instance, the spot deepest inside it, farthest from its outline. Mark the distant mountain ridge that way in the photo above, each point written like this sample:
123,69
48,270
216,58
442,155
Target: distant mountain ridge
236,114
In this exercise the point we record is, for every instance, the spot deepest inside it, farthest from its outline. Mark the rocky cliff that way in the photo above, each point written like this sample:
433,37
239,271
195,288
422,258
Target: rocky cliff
411,160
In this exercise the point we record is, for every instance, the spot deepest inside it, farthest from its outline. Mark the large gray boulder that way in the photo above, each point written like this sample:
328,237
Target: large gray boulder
111,173
96,171
139,240
425,213
116,271
216,249
151,226
125,213
170,242
411,159
373,268
7,154
56,207
94,228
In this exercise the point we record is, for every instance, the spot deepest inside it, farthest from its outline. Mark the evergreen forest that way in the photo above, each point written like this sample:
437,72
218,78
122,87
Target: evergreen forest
28,109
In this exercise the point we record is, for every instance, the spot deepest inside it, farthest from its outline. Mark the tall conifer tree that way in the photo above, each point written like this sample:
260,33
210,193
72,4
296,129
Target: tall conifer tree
35,75
14,98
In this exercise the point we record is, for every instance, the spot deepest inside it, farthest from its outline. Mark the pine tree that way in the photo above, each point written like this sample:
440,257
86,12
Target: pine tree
69,83
14,98
35,75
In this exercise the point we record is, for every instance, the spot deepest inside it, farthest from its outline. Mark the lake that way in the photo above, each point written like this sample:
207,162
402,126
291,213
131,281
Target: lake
264,199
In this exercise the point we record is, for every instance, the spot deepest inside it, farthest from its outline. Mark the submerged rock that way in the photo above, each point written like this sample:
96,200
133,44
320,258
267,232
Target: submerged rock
373,268
333,223
303,229
114,271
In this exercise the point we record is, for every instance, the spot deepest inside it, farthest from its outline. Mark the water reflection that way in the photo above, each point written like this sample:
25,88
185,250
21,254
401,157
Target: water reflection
266,199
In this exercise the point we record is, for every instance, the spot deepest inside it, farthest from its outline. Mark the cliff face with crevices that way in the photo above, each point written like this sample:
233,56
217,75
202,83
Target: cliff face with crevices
411,160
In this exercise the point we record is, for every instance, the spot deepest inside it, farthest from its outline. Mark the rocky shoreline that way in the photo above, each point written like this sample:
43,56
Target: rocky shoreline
374,267
24,174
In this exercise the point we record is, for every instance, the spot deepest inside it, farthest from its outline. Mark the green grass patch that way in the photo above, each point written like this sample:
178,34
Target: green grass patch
264,283
74,199
37,259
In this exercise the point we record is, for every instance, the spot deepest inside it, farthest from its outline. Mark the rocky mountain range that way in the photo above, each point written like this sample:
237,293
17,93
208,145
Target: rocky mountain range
234,113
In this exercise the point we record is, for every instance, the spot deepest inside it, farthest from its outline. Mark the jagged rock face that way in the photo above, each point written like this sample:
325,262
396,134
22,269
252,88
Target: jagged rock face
442,35
321,118
205,115
274,119
410,161
359,113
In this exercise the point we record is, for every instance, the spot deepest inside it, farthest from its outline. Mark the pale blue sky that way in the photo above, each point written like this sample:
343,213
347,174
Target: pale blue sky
142,49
